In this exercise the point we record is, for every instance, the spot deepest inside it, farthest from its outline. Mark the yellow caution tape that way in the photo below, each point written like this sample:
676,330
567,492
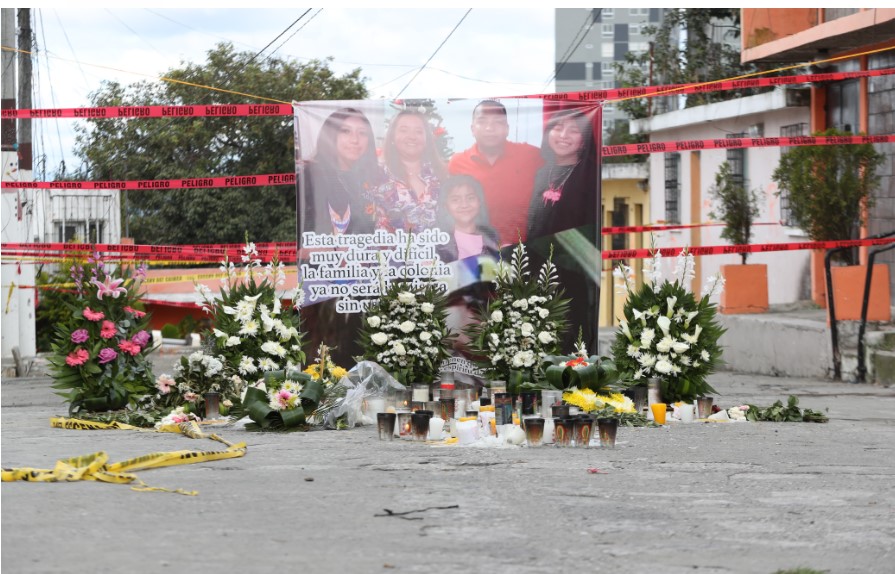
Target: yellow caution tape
96,466
12,286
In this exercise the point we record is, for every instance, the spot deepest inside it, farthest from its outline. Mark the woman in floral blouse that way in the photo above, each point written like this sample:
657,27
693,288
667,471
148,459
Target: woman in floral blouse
408,200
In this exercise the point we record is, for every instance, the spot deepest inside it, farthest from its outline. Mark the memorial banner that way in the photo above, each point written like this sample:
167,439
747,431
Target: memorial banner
437,190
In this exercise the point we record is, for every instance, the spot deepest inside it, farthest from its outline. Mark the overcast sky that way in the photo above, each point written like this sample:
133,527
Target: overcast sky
493,52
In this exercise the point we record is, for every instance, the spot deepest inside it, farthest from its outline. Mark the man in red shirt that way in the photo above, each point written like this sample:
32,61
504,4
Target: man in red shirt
505,169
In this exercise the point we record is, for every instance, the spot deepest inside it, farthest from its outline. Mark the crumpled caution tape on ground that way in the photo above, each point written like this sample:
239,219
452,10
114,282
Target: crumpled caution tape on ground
96,466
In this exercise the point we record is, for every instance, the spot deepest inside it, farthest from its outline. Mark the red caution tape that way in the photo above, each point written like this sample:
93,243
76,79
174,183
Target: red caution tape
732,143
675,89
154,184
226,110
756,248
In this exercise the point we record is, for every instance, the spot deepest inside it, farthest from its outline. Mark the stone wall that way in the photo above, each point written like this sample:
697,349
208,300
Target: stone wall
881,116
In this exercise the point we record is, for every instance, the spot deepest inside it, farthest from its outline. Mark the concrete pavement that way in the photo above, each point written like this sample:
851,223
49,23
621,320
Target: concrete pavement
750,497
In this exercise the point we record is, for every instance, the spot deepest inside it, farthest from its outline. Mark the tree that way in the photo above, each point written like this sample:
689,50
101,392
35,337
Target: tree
703,57
190,147
737,207
829,187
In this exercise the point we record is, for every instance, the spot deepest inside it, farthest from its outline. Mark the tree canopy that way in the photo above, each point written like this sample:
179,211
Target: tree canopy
705,55
190,147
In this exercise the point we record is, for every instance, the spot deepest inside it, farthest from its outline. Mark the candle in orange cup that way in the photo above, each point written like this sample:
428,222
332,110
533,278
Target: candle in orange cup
659,412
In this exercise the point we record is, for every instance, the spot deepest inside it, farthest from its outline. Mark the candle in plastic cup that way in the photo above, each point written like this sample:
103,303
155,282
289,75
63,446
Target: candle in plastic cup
658,410
686,412
704,406
386,425
534,431
608,429
436,428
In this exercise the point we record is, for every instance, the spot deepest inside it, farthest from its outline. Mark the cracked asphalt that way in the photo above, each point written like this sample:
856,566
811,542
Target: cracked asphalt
744,497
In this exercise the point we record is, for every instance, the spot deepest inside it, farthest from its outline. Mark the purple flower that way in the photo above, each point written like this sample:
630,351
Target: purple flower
80,336
107,355
141,338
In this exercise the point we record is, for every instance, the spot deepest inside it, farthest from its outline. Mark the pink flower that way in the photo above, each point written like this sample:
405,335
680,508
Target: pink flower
190,396
130,348
136,313
107,355
79,336
164,383
108,330
109,287
93,315
141,338
77,357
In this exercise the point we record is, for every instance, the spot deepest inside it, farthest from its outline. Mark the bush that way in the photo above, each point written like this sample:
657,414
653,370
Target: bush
170,331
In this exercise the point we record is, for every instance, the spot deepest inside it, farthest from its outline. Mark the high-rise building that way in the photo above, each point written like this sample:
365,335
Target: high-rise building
590,40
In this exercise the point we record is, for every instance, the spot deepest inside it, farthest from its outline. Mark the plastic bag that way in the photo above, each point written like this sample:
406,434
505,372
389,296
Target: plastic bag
365,380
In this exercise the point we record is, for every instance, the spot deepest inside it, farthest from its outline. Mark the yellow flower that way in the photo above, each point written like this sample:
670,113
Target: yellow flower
314,371
586,399
619,402
338,373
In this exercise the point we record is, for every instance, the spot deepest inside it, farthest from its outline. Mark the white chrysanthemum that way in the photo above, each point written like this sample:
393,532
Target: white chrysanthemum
407,326
664,367
233,341
374,321
427,308
526,329
521,304
704,355
379,338
665,344
267,364
273,348
543,313
633,351
545,338
497,316
399,349
647,360
647,336
406,298
249,328
425,336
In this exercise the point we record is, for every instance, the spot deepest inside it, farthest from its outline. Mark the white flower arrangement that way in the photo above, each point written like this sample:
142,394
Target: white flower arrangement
254,331
666,333
405,331
523,323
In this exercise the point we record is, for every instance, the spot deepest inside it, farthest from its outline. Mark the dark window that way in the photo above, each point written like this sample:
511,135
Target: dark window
95,232
621,48
71,231
672,187
737,160
597,71
653,14
842,106
621,32
619,219
790,131
570,71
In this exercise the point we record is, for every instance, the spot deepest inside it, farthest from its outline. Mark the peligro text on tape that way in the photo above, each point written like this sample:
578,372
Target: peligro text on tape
735,249
156,184
114,112
695,88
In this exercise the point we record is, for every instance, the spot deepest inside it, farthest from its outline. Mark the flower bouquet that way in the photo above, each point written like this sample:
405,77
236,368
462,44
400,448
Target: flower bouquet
253,331
284,400
605,406
195,376
98,357
521,326
666,333
405,331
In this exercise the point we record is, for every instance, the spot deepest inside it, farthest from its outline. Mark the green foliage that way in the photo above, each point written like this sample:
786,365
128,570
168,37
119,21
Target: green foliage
170,331
406,331
98,360
828,186
737,207
135,148
522,325
791,413
702,59
54,301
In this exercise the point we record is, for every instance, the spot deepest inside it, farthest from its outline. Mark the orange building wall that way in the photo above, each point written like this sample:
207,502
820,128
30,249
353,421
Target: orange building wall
763,25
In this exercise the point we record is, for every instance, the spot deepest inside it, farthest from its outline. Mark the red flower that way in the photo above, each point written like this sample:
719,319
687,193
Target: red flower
77,357
130,348
93,315
576,362
108,330
136,313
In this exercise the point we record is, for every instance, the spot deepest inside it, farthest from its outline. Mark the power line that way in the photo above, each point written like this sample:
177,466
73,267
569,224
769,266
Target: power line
433,53
70,47
269,44
317,13
585,27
